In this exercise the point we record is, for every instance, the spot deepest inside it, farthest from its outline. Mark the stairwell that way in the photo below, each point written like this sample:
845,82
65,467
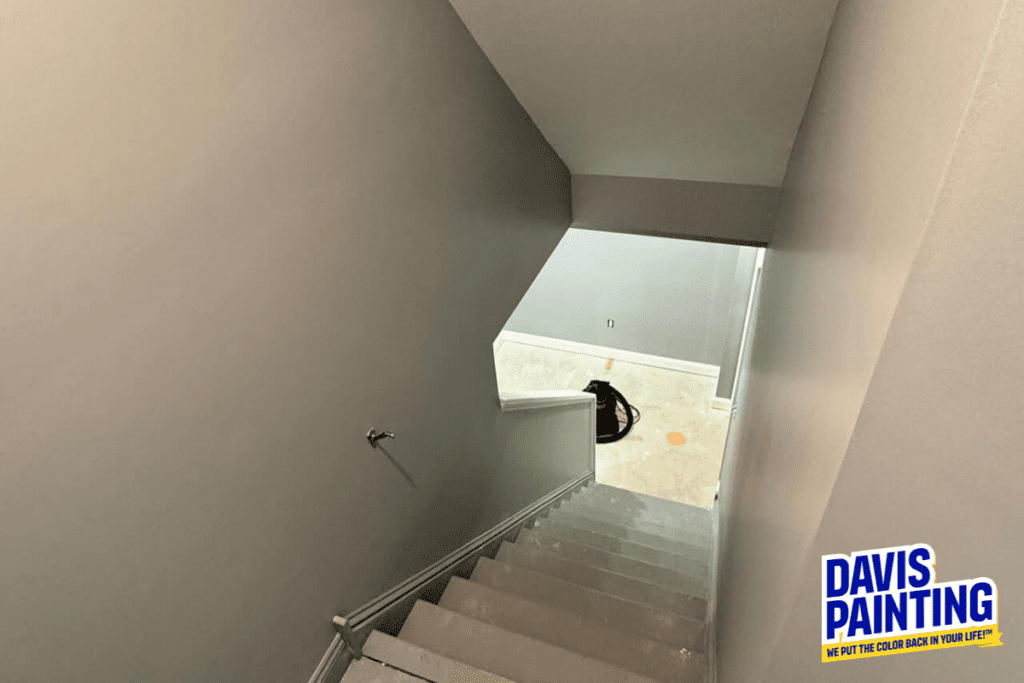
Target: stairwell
610,586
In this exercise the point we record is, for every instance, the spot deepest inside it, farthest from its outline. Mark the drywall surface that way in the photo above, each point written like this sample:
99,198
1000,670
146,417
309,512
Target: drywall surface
936,453
746,263
660,88
895,81
723,212
236,236
671,298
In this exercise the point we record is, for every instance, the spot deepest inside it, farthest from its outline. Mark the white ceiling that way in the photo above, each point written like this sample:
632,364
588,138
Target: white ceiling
686,89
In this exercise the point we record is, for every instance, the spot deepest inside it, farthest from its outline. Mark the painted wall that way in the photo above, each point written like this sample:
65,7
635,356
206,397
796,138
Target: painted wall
236,236
668,297
660,88
723,212
895,80
742,281
937,447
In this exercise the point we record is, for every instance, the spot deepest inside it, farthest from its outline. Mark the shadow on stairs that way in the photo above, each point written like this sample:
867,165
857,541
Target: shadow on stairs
611,586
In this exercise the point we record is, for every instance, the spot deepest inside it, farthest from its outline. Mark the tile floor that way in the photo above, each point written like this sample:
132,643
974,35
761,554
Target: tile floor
669,401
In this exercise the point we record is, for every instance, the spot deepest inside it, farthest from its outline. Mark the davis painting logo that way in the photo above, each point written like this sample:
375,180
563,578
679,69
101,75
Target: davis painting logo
886,602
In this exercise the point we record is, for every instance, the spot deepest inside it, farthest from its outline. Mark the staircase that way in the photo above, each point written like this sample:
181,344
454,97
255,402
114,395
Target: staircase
610,586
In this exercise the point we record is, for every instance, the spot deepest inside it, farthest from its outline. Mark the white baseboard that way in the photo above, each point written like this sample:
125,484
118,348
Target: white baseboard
721,404
606,352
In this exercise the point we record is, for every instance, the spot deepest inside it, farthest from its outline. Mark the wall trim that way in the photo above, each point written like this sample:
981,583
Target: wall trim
556,398
710,623
396,603
691,367
721,403
545,398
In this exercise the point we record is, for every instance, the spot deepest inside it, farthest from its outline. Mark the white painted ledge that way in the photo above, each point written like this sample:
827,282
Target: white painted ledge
528,400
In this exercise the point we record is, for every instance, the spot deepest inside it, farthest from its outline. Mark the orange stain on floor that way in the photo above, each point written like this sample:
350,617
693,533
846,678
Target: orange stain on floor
676,438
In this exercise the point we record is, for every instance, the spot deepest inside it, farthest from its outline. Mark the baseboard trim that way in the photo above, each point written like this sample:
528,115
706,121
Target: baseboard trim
607,352
721,404
396,603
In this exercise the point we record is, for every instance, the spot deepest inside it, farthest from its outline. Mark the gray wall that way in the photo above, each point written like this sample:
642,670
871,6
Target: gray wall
895,80
937,446
668,297
737,314
235,237
723,212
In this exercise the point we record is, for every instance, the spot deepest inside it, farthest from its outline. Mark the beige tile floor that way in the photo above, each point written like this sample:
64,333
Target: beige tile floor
669,401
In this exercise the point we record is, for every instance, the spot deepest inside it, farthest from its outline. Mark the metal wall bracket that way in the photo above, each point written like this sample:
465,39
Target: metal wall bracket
348,636
373,437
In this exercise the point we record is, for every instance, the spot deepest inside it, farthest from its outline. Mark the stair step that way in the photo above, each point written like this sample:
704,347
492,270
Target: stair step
695,569
592,509
695,548
422,663
633,504
569,631
620,564
517,657
601,608
368,671
540,560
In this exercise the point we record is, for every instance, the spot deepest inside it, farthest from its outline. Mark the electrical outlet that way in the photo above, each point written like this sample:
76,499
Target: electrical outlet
611,323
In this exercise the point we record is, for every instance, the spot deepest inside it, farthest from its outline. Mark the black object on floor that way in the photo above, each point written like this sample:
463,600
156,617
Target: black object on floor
609,427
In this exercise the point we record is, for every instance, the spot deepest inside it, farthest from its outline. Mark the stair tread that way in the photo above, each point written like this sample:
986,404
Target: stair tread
569,631
422,663
683,574
634,504
658,525
517,657
369,671
695,548
604,580
608,610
